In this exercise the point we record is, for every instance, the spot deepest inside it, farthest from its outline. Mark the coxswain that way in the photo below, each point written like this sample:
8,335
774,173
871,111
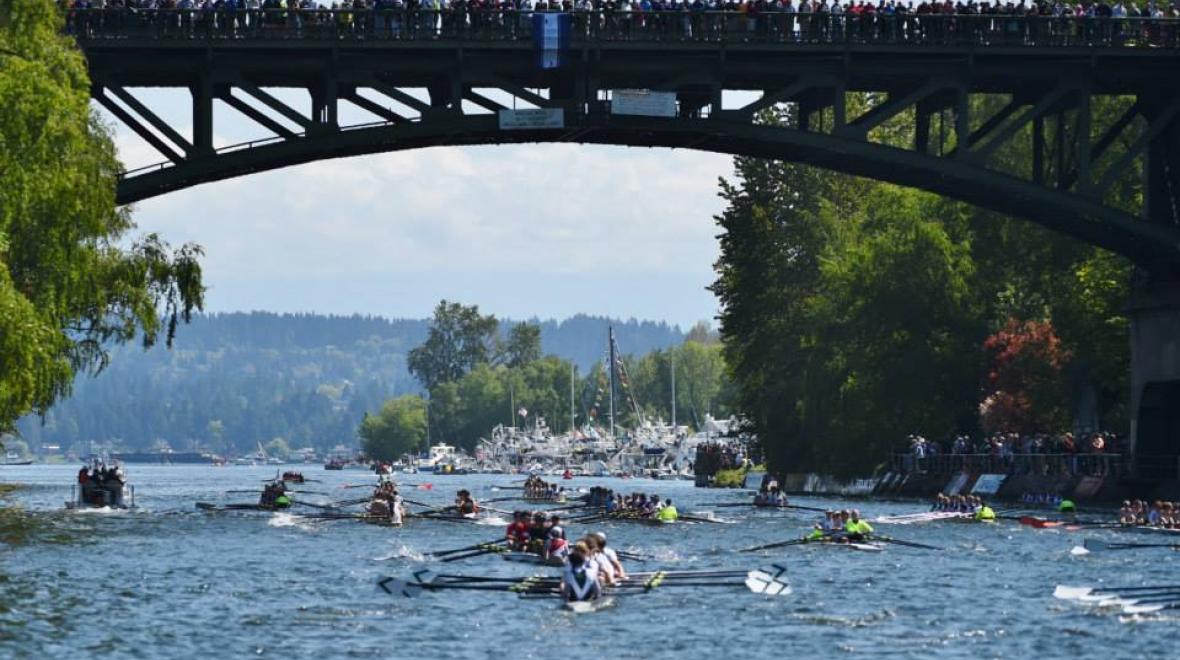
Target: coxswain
816,534
855,529
579,580
1067,507
984,513
667,513
557,546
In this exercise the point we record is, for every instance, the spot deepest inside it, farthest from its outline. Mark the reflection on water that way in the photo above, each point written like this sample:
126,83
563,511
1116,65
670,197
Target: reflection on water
168,581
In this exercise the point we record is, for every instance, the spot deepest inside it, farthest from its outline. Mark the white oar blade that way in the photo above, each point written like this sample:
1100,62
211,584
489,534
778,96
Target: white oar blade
1071,593
1142,609
1079,551
764,583
1094,598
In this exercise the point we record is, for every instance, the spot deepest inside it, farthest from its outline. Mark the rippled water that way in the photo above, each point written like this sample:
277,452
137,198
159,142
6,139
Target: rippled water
167,581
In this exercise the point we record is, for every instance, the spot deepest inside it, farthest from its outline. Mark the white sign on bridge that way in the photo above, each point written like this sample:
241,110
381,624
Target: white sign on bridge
532,119
643,102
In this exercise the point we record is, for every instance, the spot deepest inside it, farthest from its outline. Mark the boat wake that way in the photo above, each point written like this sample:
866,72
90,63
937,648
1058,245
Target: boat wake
869,619
289,520
402,552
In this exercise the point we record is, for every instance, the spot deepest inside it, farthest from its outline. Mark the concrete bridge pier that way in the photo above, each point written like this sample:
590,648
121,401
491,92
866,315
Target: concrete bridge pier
1154,311
1155,380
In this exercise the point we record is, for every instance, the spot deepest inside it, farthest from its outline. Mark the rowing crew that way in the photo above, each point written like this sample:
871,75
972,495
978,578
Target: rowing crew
543,535
957,503
590,567
274,496
972,504
1159,514
843,526
536,487
639,505
770,497
387,502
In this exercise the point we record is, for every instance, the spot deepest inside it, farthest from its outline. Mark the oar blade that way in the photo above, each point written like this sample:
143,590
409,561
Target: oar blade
764,583
396,587
1071,593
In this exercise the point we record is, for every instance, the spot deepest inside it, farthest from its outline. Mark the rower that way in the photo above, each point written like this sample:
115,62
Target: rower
985,513
465,504
517,534
538,533
610,555
579,580
667,513
606,569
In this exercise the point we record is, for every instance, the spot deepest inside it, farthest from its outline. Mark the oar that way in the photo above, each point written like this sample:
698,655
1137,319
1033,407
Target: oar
633,556
476,553
782,544
911,544
442,553
1077,593
701,519
1099,545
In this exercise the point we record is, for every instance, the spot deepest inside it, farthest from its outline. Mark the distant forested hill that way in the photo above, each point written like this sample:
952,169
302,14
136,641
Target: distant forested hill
234,380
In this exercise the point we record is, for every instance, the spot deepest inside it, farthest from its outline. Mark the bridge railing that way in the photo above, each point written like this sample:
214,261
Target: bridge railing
1102,465
632,26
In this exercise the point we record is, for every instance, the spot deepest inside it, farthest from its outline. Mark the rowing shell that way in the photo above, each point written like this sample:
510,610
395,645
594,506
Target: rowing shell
530,558
863,547
588,606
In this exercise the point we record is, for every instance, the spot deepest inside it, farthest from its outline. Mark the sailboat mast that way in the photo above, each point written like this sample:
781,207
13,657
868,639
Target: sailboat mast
672,364
573,419
611,376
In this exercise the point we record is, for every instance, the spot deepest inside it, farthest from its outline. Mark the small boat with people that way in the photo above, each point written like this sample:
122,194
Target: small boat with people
101,486
274,497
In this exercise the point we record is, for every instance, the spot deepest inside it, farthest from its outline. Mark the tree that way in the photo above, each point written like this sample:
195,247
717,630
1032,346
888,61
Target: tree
523,345
459,338
398,429
73,280
1024,385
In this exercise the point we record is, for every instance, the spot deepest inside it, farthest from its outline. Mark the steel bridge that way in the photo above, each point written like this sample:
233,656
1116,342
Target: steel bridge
1094,101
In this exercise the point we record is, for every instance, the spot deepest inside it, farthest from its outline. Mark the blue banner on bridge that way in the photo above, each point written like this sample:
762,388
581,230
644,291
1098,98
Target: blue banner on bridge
551,37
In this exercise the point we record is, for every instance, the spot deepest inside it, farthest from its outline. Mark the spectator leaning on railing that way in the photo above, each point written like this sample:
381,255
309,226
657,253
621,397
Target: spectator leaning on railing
805,21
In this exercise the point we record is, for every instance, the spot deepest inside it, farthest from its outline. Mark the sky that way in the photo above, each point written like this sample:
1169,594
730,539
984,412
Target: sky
543,230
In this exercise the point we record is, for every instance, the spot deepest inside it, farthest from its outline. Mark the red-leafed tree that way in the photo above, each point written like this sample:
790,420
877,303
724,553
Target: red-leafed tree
1025,385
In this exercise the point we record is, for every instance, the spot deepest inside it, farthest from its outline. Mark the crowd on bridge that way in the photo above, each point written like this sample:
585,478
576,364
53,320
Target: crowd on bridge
1036,22
1089,453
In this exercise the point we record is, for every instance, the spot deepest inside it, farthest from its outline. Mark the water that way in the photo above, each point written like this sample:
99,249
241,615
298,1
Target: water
167,581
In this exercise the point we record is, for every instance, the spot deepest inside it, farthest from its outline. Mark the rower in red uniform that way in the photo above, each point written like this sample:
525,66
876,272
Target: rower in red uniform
517,534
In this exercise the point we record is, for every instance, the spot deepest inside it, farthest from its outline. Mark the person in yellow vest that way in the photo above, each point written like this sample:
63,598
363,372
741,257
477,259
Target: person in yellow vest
667,513
855,529
984,513
817,534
